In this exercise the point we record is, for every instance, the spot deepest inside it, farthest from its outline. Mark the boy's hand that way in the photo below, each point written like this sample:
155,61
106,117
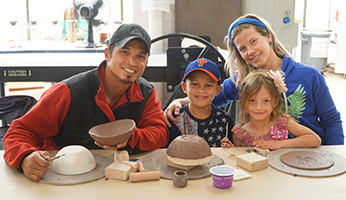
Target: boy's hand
226,143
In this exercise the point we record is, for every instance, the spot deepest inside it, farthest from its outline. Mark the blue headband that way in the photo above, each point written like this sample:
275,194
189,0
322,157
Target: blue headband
245,21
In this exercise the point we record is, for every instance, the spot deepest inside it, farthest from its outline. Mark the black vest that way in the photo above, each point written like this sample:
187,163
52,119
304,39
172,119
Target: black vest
84,113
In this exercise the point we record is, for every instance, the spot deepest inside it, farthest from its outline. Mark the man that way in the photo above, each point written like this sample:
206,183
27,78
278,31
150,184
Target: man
67,110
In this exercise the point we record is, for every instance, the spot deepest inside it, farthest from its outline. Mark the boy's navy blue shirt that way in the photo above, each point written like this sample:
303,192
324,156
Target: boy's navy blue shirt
212,129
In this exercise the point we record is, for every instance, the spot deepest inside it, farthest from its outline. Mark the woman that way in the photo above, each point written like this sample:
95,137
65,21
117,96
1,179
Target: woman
253,45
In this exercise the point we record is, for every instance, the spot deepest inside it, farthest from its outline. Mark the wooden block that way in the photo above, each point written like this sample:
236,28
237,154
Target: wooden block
118,171
252,161
186,168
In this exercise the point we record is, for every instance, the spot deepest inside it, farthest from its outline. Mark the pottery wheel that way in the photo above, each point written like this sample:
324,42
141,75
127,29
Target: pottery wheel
54,178
156,161
339,166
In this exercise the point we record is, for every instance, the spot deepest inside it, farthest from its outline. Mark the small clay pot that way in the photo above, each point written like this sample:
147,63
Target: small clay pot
180,178
55,21
33,22
13,23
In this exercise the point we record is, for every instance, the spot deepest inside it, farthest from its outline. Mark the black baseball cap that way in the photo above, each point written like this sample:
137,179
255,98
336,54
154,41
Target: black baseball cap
127,32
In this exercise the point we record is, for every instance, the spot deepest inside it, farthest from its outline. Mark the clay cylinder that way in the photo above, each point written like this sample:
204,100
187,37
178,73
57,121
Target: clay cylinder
140,166
180,179
145,176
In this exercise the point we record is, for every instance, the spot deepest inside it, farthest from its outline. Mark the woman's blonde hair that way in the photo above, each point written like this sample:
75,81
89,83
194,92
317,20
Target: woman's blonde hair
234,62
71,13
251,84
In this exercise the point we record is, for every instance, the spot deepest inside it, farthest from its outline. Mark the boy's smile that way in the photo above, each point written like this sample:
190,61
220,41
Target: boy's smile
201,90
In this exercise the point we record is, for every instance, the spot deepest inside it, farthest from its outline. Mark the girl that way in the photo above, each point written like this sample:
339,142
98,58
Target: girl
261,120
253,45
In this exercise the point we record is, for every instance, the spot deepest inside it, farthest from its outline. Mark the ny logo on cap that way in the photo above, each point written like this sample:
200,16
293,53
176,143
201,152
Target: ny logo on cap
201,62
136,32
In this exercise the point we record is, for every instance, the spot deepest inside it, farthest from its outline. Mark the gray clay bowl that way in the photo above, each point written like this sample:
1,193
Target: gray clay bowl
113,133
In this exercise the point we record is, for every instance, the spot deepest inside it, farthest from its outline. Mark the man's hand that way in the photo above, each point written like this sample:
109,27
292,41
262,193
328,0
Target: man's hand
175,107
35,165
115,147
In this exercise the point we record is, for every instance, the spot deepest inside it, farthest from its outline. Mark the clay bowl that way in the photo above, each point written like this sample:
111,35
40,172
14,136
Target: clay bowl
13,23
77,160
113,133
33,22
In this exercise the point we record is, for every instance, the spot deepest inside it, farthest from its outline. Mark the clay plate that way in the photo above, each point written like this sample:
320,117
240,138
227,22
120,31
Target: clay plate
113,133
339,166
54,178
306,160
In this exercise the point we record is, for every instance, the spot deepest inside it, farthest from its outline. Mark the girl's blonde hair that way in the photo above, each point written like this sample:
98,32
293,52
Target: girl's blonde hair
251,84
234,62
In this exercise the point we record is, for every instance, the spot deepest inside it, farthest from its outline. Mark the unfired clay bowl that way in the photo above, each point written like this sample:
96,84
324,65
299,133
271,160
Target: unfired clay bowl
113,133
13,23
77,160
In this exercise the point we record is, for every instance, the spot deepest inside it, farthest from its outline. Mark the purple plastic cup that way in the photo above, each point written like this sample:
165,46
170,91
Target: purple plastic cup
222,176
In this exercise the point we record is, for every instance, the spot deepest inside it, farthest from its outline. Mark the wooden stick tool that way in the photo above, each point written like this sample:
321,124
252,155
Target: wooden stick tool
55,157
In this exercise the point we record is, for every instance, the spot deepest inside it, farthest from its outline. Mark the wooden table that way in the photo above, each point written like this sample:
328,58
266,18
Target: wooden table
264,184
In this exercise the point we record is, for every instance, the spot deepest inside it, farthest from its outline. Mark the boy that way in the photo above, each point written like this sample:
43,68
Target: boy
201,83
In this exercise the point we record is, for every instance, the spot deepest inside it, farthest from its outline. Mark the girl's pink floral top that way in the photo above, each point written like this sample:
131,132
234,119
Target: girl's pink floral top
248,140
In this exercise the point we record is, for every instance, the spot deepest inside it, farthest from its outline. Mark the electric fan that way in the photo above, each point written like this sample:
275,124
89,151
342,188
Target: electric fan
96,13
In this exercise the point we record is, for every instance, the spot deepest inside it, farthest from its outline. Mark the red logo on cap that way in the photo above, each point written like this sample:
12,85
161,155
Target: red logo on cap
201,62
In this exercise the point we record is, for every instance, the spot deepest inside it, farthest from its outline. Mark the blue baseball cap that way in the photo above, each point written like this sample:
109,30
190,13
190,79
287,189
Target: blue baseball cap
206,66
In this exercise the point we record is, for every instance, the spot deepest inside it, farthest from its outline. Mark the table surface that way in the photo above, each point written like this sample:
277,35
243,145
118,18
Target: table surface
264,184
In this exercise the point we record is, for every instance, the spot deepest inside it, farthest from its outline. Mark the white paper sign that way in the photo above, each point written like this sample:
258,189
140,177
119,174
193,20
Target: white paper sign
150,5
319,47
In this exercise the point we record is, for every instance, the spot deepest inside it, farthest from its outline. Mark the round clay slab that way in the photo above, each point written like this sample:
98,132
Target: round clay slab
307,160
59,179
339,166
157,161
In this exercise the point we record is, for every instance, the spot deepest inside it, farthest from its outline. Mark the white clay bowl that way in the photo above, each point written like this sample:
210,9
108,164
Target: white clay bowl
77,160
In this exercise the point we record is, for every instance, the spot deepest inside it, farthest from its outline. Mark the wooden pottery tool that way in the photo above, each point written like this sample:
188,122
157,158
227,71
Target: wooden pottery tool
143,174
55,157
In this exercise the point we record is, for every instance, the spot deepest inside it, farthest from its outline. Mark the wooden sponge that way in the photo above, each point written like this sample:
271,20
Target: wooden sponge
252,161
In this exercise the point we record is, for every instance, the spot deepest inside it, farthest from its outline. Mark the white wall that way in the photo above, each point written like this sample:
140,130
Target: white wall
44,12
340,65
274,11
